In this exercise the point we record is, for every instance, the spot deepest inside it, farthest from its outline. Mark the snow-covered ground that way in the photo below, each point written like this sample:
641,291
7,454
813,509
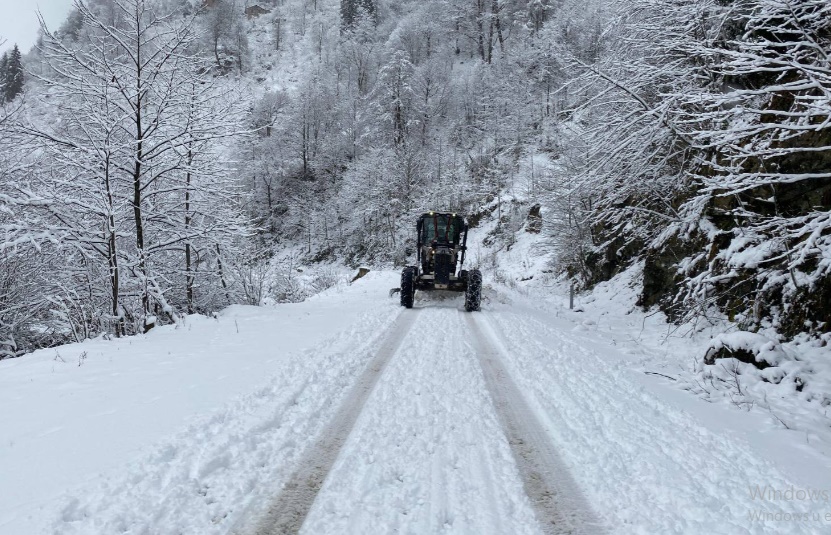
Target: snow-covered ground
100,427
198,429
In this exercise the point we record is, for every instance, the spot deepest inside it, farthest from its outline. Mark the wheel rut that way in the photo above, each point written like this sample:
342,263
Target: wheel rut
289,510
555,497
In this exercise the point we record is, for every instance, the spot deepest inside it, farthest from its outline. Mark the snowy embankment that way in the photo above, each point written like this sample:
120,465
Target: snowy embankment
781,399
765,406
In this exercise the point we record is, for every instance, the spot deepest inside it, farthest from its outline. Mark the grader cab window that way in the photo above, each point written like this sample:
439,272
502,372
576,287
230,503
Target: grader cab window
441,228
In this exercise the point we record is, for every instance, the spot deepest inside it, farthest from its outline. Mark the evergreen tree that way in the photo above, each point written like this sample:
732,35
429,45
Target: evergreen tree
4,72
13,76
353,10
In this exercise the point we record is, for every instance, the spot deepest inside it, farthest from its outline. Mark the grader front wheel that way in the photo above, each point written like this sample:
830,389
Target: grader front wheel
473,293
407,287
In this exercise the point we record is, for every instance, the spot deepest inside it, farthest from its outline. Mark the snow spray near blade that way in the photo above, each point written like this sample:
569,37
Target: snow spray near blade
288,511
558,503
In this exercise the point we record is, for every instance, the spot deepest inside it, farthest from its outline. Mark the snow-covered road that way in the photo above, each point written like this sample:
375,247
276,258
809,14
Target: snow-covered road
428,454
348,414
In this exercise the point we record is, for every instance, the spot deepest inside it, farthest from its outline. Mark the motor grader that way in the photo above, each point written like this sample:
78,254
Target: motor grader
441,244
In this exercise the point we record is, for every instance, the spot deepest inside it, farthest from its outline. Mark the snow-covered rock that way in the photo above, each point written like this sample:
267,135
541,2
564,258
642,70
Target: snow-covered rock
745,346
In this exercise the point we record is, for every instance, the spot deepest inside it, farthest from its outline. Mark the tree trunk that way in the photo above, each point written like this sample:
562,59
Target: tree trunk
188,265
489,47
305,144
425,118
480,24
137,178
216,50
112,255
222,274
495,9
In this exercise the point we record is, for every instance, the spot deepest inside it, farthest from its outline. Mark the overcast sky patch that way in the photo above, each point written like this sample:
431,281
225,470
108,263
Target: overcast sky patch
19,23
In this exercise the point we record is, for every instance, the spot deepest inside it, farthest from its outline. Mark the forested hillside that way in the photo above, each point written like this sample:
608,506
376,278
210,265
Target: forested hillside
163,154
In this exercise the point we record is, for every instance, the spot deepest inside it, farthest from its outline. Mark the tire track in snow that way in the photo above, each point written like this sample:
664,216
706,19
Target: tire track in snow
289,510
427,454
558,502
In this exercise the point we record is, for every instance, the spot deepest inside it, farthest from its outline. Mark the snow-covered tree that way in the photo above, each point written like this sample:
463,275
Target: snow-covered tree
225,34
11,75
764,187
352,11
136,178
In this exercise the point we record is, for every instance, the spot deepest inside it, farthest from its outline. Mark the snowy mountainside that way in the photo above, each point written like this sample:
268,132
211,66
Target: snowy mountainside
342,121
